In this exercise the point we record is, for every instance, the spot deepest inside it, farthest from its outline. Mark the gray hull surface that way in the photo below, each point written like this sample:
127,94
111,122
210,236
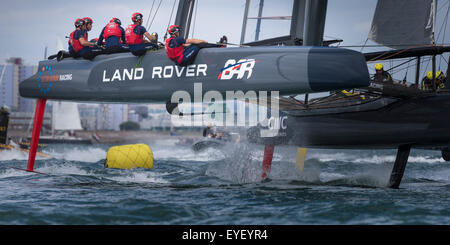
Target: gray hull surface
154,78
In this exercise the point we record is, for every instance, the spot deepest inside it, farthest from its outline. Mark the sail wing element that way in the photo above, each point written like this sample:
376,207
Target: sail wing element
403,23
66,116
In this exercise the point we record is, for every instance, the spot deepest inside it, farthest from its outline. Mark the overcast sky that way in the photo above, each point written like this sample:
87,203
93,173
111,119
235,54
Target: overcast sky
27,27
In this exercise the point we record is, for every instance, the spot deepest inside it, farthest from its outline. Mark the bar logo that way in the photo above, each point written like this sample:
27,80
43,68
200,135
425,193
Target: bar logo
238,70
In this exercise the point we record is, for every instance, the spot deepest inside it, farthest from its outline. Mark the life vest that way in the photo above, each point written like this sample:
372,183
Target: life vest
112,29
427,84
383,77
76,45
131,37
175,54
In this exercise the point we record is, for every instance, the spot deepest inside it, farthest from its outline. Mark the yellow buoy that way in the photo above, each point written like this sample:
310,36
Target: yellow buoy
129,156
300,160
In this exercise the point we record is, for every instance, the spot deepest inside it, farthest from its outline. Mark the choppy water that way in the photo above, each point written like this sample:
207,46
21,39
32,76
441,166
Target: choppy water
336,187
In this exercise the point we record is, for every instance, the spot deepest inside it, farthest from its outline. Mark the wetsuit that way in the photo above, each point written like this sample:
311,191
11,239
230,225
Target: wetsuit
135,39
181,55
441,83
207,131
76,49
74,42
383,77
114,36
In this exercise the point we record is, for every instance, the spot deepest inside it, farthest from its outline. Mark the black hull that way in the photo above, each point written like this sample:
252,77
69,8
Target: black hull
386,123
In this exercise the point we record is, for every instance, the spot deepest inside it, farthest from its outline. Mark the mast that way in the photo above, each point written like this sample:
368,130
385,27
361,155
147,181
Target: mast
418,72
258,21
448,71
434,9
244,21
315,13
314,25
434,5
298,20
434,72
184,16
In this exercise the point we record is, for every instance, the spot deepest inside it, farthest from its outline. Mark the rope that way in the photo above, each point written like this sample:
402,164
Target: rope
156,12
401,64
378,46
149,14
426,67
445,28
195,19
444,59
170,19
364,45
422,61
399,52
139,61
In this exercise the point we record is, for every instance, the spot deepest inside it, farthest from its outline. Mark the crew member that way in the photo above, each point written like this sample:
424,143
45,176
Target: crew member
88,22
208,132
114,36
183,51
78,44
381,75
134,36
427,81
75,45
92,50
4,121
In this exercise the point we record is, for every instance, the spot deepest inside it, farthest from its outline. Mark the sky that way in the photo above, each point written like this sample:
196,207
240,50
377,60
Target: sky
27,27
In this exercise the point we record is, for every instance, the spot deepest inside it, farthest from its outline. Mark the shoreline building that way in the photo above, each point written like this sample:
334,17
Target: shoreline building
11,74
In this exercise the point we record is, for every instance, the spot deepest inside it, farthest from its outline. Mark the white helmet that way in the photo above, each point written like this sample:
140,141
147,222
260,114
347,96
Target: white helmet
4,108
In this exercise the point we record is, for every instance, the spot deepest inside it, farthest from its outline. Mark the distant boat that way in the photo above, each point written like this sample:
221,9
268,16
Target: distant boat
5,143
204,144
217,141
65,120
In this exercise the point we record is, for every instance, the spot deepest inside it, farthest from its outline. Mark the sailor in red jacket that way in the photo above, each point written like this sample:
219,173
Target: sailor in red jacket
88,23
134,35
183,51
78,42
92,50
75,44
114,36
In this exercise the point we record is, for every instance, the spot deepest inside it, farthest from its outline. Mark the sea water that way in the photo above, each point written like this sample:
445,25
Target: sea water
223,187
